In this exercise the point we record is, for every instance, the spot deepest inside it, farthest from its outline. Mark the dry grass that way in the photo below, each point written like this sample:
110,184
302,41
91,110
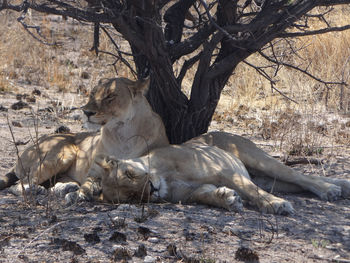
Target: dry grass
247,102
321,117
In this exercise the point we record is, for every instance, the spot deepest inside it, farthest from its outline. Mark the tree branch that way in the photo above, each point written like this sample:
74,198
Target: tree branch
301,70
314,32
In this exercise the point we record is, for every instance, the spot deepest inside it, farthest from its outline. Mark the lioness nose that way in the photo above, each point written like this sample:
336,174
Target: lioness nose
89,113
153,189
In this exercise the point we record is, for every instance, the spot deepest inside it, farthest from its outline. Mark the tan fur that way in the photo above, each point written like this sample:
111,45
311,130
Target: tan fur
129,122
187,173
130,128
272,175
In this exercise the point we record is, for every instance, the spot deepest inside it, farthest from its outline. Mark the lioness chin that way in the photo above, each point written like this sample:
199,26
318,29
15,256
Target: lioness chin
129,129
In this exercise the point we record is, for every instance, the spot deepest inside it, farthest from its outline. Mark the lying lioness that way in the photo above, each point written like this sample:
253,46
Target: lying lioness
272,175
186,173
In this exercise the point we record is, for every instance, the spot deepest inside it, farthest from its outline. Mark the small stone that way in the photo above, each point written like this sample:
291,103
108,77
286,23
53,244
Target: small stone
2,108
92,238
19,105
121,253
36,92
85,75
17,124
62,129
149,259
153,240
141,251
118,237
31,99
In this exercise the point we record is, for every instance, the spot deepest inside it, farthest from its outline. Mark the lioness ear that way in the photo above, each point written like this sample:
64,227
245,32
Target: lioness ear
140,86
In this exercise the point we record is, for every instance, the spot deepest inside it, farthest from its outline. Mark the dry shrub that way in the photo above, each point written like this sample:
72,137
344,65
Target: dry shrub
306,127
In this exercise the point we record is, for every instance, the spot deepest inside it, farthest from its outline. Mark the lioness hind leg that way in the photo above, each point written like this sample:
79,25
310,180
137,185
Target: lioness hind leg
344,184
41,171
223,197
260,163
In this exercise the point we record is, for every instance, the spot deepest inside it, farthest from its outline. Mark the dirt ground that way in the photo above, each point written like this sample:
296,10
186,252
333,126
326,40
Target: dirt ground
47,231
94,232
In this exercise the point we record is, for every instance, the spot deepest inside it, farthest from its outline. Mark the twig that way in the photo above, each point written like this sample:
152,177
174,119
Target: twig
301,70
272,82
26,27
314,32
18,158
120,53
34,239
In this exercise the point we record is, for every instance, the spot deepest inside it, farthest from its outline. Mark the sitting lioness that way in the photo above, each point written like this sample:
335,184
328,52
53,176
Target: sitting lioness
130,128
186,173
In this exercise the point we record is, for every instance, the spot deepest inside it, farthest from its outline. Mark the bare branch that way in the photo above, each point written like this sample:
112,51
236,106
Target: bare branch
272,82
327,83
314,32
120,53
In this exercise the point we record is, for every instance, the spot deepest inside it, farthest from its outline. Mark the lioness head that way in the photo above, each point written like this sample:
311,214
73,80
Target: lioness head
124,180
114,98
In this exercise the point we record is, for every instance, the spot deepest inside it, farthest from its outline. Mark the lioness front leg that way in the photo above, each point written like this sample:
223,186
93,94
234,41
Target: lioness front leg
267,203
89,189
223,197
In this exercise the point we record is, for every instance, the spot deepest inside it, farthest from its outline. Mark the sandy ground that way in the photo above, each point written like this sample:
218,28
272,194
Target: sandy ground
94,232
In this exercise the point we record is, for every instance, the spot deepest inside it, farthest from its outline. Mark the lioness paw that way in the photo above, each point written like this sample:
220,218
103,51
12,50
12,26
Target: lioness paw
278,206
62,189
17,189
332,193
76,197
345,188
232,201
344,184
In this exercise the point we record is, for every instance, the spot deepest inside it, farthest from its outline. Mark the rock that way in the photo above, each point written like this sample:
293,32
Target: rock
149,259
118,237
85,75
17,124
62,129
19,105
2,108
92,238
141,251
121,253
153,240
36,92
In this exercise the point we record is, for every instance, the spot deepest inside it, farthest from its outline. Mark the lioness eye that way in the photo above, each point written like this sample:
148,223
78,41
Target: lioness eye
129,174
109,97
